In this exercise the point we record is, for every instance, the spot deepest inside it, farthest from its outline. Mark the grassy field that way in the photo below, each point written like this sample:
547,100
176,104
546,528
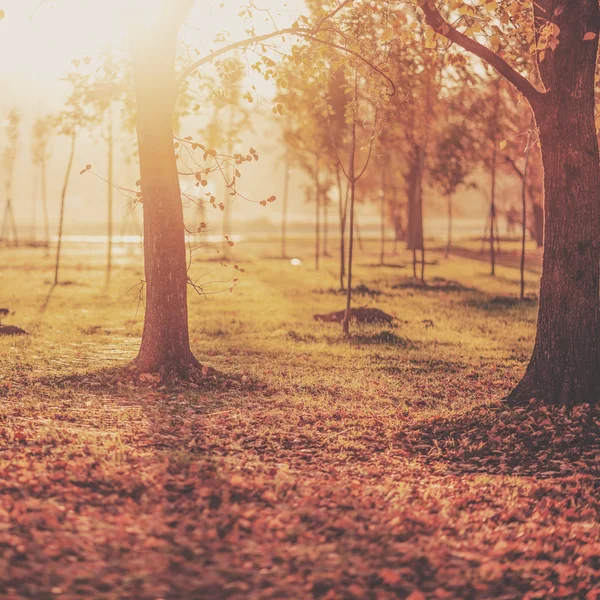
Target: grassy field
305,465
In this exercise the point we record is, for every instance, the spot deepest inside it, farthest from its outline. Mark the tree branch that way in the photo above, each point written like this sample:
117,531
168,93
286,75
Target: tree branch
302,32
442,27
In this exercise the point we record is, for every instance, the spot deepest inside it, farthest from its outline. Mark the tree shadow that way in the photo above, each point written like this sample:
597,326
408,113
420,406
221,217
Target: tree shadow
436,284
535,441
500,303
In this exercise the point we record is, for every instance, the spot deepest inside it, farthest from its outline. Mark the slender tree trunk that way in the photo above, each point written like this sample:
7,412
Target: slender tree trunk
325,224
359,235
62,205
352,174
45,203
227,195
343,210
415,214
110,195
449,244
36,189
524,215
286,191
352,181
165,339
565,366
318,214
382,214
493,183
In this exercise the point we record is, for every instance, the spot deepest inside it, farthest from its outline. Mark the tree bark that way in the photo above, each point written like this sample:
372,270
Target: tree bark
565,366
165,340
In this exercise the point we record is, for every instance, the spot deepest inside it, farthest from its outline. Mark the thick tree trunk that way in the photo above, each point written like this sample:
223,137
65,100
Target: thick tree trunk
565,366
165,340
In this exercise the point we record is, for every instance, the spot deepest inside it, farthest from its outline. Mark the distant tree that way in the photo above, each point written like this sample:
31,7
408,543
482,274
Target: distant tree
454,156
9,157
68,123
106,97
40,153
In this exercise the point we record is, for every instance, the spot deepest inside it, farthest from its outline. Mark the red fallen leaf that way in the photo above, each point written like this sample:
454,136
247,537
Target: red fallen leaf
237,480
416,595
270,496
390,577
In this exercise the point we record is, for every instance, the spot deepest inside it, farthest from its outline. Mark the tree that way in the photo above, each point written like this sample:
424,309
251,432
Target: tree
165,339
42,130
104,96
9,157
68,123
565,364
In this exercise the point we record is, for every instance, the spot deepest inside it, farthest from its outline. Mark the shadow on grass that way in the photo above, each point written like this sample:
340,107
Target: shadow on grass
425,365
384,338
127,379
437,284
536,441
500,303
360,290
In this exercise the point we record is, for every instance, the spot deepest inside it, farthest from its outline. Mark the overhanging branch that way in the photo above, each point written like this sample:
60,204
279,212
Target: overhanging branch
309,33
442,27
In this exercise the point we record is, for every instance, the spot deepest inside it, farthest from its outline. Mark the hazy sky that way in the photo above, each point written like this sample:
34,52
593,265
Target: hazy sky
38,41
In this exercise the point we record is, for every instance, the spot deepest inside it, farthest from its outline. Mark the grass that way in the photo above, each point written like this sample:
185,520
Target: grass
307,465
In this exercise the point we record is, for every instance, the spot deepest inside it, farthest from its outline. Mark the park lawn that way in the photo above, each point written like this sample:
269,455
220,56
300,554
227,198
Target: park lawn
302,464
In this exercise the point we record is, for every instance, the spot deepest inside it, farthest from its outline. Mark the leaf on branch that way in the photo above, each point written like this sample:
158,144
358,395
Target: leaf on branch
590,35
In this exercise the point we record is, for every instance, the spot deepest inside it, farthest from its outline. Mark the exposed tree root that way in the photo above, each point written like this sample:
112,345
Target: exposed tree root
186,368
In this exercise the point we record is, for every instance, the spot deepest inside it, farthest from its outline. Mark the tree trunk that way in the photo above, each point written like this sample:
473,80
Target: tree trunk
382,215
110,195
415,211
565,366
62,205
524,214
165,340
45,203
449,243
343,210
318,214
286,191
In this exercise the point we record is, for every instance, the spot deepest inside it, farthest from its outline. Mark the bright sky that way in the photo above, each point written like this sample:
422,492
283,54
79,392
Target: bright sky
39,39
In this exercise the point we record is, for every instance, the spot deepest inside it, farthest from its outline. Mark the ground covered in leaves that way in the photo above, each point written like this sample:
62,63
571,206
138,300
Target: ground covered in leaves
302,465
